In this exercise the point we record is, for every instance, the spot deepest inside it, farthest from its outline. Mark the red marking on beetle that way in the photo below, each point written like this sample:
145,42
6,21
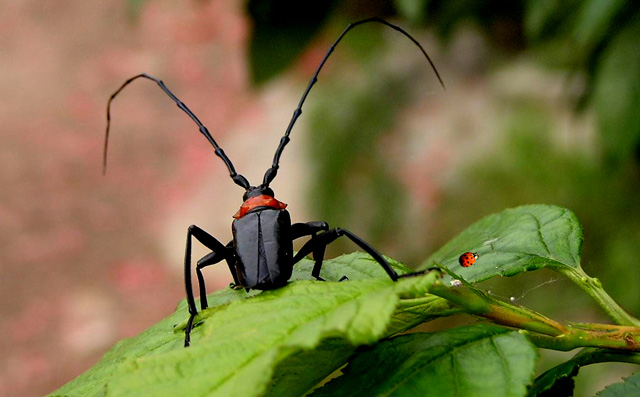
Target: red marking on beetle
259,201
467,259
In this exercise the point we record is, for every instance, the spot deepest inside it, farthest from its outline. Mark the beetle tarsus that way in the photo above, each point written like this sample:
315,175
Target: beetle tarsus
235,286
187,330
420,273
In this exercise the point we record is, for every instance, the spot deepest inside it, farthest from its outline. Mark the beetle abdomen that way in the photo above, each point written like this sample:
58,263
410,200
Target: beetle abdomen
264,248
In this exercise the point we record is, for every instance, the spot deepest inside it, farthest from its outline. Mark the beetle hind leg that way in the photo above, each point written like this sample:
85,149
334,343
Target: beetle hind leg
323,239
318,257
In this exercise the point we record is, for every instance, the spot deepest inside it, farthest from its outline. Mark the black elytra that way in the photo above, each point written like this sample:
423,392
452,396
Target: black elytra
260,256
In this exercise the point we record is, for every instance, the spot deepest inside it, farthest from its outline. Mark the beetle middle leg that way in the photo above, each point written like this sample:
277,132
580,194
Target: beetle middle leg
219,252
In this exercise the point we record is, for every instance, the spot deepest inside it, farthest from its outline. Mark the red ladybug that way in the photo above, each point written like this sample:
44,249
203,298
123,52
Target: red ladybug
467,259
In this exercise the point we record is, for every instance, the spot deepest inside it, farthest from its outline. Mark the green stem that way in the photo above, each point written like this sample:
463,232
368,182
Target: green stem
498,312
574,338
544,331
593,287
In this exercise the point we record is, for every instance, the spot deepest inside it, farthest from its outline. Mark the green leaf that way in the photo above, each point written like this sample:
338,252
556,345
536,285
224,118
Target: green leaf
476,360
246,338
629,387
159,338
294,374
516,240
558,381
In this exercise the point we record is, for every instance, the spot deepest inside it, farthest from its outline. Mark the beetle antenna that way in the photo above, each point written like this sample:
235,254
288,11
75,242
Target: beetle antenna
271,172
237,178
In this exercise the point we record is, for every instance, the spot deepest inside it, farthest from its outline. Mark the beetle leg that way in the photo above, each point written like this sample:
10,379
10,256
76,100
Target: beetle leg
213,244
330,236
187,330
308,229
318,257
311,229
421,272
211,259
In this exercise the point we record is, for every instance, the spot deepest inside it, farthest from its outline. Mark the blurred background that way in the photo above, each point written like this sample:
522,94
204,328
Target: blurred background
542,105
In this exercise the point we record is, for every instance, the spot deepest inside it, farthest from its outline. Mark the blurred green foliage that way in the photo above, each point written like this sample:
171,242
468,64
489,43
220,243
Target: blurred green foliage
500,20
347,128
281,30
599,39
134,8
616,94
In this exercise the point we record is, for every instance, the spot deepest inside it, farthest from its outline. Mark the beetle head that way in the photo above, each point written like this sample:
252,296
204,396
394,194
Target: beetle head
257,191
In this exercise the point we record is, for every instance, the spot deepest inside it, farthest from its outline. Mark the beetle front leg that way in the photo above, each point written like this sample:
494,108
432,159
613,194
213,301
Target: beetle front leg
220,252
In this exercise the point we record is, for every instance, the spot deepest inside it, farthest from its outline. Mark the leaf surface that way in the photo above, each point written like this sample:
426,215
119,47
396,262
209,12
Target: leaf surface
244,339
516,240
476,360
629,387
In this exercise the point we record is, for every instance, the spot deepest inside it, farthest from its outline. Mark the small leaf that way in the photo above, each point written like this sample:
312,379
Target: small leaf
629,387
244,339
559,380
516,240
478,360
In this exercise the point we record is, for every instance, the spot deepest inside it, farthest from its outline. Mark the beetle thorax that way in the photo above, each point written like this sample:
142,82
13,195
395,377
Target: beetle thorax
259,201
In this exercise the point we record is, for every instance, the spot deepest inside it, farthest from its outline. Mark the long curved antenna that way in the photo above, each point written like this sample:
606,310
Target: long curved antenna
272,172
237,178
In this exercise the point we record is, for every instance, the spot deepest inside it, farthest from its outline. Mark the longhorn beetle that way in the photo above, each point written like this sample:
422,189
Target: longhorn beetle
260,256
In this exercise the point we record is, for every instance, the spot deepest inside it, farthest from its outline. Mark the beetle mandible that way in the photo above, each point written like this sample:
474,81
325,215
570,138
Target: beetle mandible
260,256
